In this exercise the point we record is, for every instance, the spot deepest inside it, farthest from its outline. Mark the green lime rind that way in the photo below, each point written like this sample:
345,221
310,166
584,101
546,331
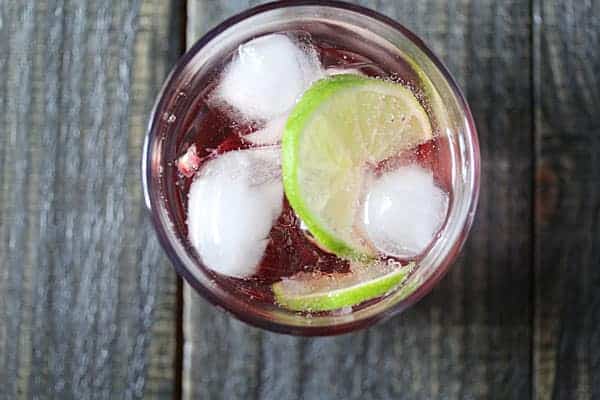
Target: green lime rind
408,289
300,115
330,300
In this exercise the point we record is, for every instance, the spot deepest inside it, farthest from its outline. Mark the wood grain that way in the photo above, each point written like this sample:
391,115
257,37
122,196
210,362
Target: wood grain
567,251
86,299
471,338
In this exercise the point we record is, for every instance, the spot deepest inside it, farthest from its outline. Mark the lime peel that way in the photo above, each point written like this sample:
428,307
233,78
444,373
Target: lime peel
317,291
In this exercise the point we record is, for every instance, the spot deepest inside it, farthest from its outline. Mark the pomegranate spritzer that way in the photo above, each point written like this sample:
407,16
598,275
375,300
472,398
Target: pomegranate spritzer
313,172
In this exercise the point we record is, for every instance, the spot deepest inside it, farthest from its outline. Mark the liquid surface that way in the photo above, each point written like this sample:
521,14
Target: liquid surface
211,128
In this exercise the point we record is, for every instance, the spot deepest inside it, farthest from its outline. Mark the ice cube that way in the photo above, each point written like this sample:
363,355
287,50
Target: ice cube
189,162
267,75
270,134
233,202
403,211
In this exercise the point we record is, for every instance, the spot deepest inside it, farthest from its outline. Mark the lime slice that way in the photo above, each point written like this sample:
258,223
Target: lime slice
318,291
341,126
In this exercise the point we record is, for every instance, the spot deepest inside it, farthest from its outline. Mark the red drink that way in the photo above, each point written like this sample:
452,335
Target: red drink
213,130
198,128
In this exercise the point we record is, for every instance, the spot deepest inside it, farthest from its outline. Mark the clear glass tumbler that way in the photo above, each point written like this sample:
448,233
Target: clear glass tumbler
177,96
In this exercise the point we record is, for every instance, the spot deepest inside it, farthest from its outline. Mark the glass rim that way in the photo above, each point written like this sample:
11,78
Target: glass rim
239,309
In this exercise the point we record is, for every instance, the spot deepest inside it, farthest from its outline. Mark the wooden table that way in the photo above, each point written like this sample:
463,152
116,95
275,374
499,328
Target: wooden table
90,308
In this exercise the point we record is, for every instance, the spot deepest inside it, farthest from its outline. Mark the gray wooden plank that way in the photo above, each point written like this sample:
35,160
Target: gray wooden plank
224,358
471,338
87,305
567,251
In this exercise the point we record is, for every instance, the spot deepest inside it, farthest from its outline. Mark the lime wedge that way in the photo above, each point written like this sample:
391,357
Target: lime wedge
318,291
341,126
